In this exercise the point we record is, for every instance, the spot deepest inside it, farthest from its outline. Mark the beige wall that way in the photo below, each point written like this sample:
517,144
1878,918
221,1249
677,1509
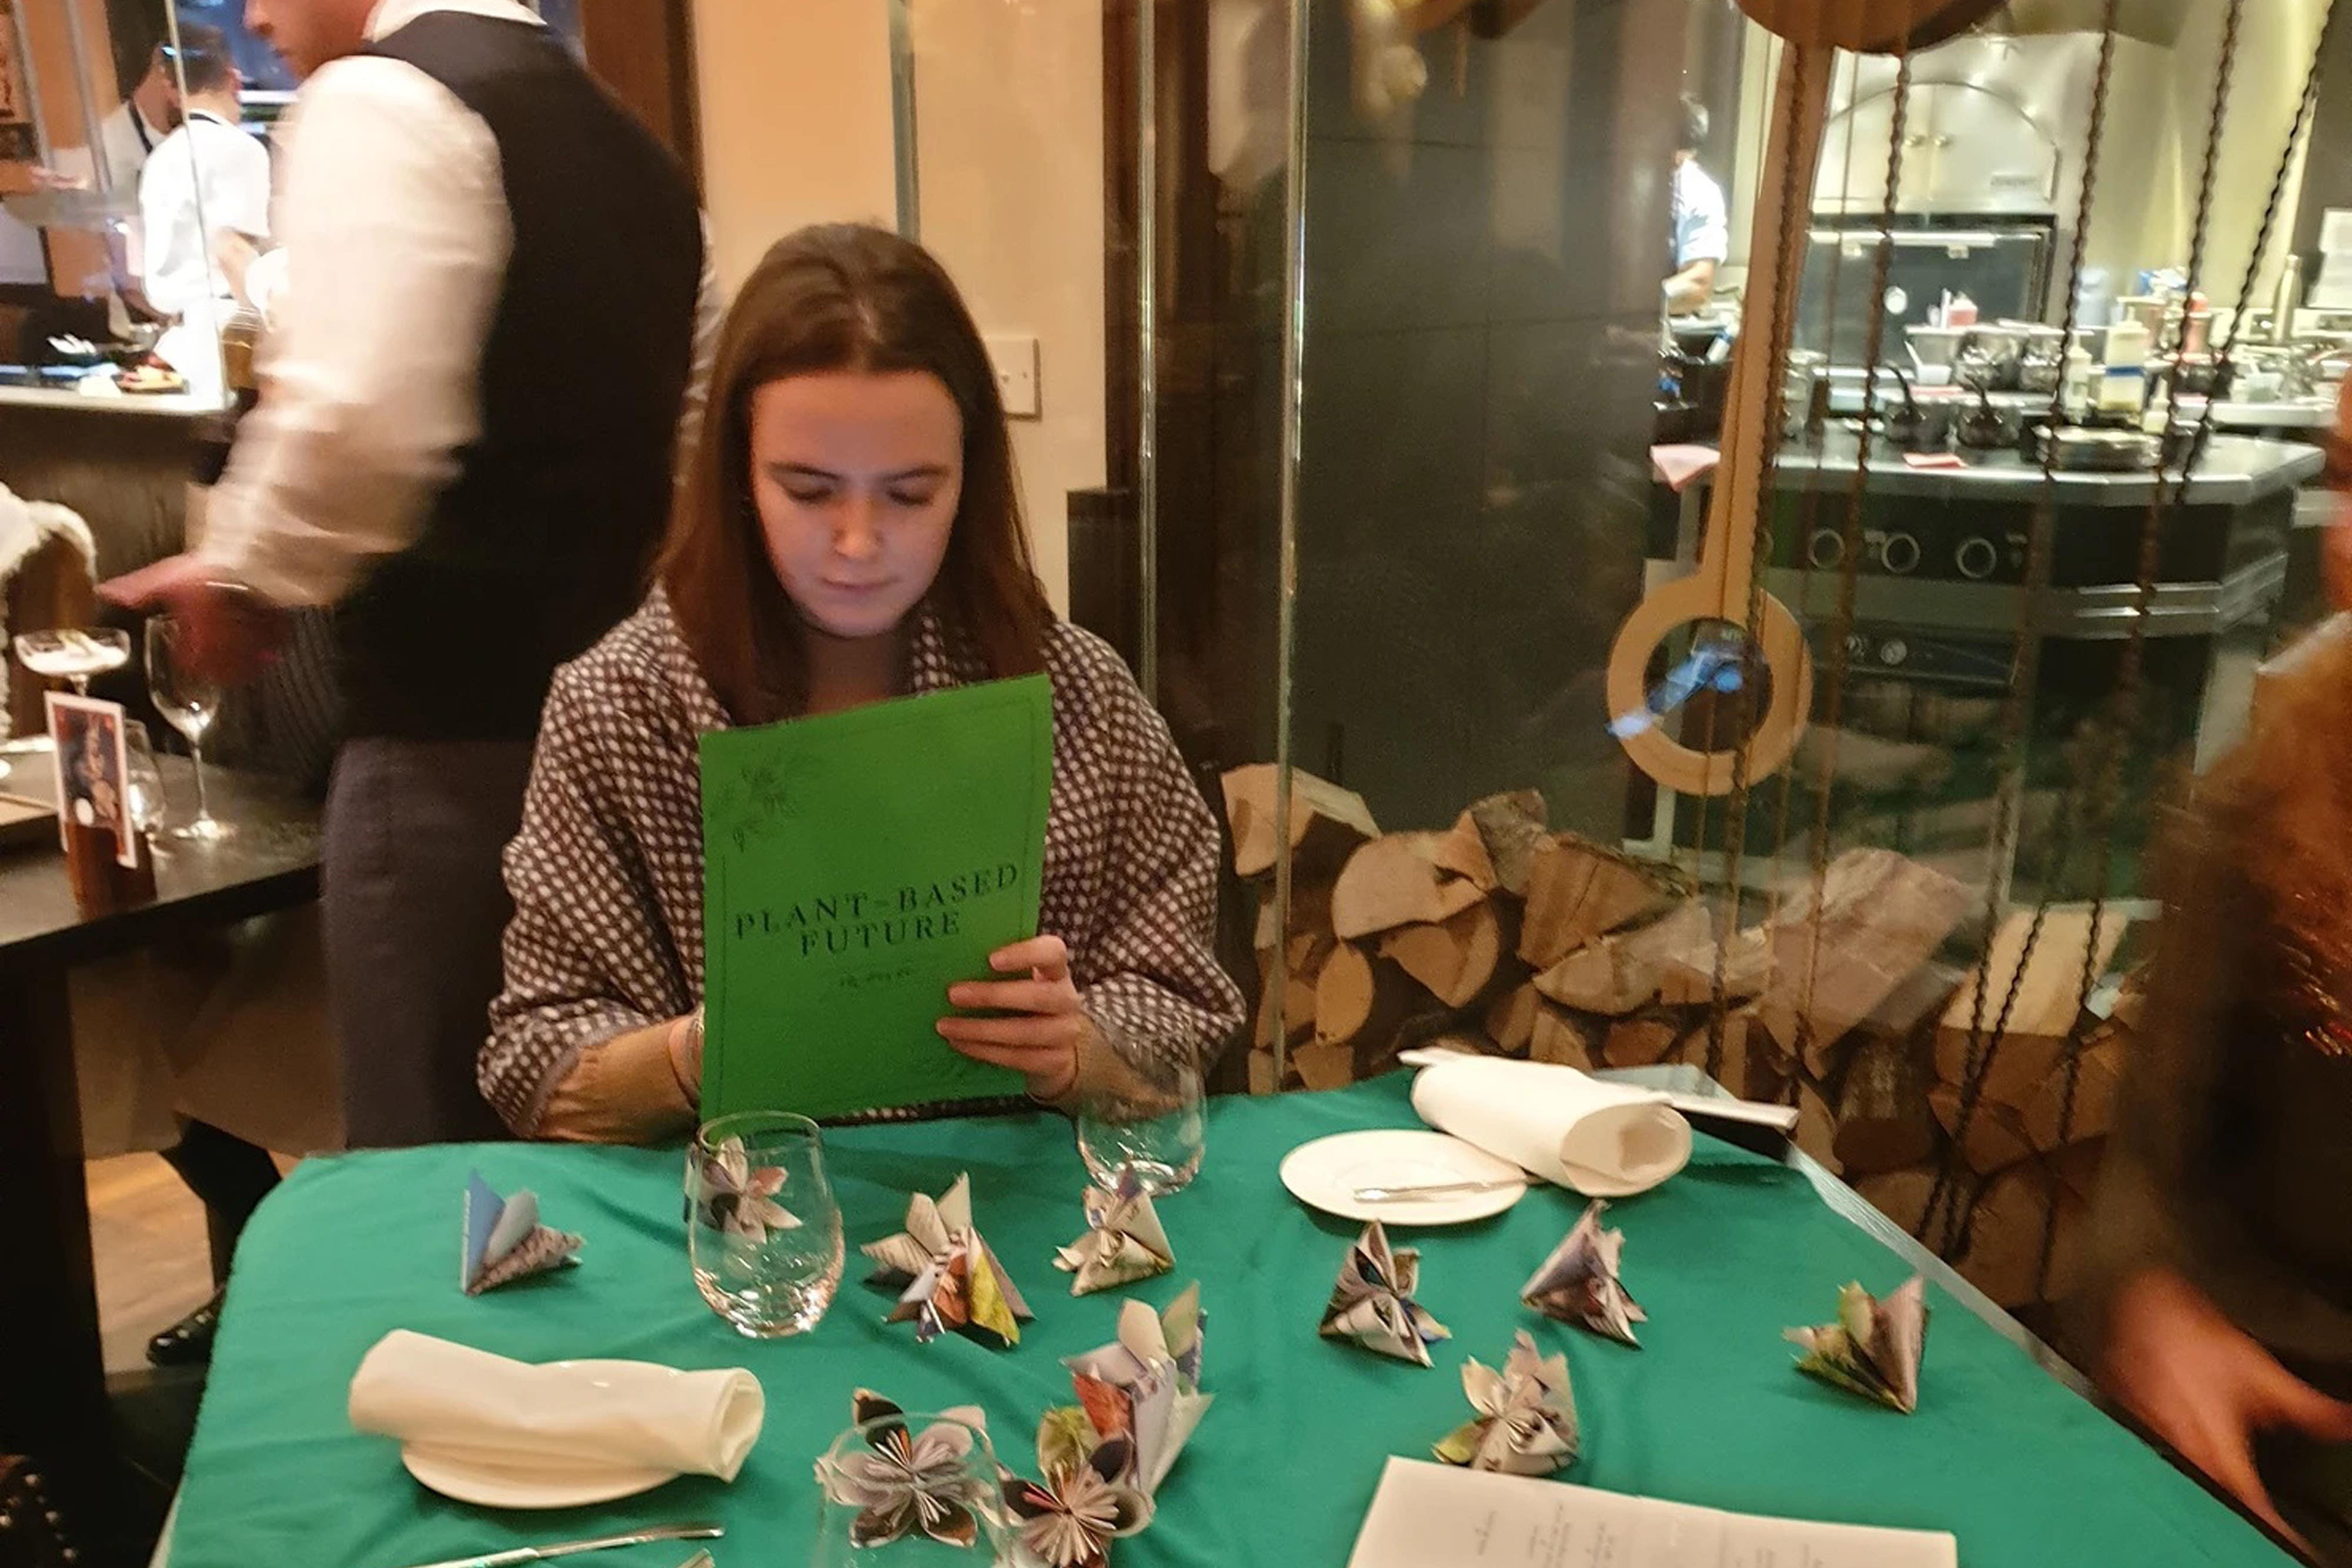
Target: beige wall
796,128
795,97
1008,120
2275,41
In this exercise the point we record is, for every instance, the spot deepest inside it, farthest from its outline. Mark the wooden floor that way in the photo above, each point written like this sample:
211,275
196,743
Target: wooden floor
147,1234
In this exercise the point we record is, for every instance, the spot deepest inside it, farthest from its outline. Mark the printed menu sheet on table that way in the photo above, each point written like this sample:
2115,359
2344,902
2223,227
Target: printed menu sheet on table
1426,1514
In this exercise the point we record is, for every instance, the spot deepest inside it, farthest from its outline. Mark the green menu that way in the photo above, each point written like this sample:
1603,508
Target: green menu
854,865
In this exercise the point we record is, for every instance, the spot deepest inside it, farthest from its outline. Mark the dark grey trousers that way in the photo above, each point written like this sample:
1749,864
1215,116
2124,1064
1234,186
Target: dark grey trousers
415,910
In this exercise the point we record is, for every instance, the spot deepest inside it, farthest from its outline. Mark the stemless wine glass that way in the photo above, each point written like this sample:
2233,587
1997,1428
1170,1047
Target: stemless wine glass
761,1226
75,654
190,702
142,781
1146,1131
906,1490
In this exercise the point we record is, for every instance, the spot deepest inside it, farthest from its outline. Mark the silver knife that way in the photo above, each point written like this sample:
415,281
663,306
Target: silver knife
1435,1189
597,1543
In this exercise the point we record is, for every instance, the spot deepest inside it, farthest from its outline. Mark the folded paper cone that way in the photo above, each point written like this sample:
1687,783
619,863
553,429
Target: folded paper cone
470,1406
1605,1140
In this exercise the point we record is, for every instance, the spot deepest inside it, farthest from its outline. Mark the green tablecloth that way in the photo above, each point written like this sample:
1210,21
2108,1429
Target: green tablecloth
1723,1257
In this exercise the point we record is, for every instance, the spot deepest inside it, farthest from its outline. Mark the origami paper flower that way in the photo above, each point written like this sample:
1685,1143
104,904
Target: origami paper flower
1372,1303
907,1481
1875,1347
1124,1241
1069,1519
504,1240
947,1276
732,1194
1145,1386
1579,1282
1525,1423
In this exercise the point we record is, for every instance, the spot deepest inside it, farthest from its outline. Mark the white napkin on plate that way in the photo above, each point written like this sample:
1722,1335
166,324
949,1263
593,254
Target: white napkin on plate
1605,1140
475,1408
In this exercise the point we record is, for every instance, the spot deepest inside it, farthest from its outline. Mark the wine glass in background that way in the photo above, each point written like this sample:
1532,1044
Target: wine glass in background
1146,1129
190,702
76,656
143,780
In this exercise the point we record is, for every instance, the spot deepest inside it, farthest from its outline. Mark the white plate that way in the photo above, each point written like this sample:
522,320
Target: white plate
470,1478
1326,1173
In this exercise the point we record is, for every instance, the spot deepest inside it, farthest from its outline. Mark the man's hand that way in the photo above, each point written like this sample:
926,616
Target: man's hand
1041,1041
2205,1387
229,632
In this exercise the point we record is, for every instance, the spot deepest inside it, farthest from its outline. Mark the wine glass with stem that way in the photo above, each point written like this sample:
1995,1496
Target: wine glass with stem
190,701
142,781
75,653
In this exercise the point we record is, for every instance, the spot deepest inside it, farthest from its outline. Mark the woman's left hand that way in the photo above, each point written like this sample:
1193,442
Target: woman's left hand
1040,1041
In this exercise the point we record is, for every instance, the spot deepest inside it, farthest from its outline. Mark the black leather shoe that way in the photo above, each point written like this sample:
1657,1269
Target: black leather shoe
189,1342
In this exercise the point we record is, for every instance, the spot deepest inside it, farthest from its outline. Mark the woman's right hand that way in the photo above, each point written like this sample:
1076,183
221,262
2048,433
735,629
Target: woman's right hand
2205,1387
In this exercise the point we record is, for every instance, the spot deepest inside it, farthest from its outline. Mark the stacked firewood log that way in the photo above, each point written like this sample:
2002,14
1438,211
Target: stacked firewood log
2029,1151
1499,935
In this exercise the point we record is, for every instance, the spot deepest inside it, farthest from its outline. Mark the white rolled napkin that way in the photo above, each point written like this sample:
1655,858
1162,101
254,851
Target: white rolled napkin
469,1407
1605,1140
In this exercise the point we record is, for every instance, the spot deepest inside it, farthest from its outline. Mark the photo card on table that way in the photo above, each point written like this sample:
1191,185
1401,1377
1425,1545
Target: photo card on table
93,765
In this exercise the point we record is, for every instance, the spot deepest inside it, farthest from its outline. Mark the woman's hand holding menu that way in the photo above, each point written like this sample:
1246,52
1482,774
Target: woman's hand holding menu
1040,1036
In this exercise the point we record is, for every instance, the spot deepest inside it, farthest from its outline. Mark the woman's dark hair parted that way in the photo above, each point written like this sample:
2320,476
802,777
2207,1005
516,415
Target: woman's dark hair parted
843,296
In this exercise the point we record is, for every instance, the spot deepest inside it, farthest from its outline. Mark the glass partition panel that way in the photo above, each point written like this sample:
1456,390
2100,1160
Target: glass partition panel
133,195
1527,239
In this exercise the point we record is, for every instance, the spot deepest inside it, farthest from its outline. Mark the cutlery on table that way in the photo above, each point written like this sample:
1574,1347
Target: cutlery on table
1435,1189
703,1532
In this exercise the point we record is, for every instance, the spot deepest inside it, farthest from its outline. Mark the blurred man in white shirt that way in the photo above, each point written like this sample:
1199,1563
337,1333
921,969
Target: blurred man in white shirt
469,406
1702,222
206,179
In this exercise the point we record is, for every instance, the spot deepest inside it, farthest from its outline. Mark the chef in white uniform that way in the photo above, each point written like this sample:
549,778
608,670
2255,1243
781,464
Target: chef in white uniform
139,123
206,178
1702,221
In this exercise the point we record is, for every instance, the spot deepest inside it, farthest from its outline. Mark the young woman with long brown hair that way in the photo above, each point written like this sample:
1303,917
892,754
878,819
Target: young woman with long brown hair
2221,1244
848,530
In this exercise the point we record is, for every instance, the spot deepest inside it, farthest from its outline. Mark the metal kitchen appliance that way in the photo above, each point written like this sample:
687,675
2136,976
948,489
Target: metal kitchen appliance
2087,779
1990,172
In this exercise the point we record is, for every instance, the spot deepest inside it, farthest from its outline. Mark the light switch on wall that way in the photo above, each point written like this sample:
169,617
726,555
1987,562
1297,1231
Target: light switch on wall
1015,355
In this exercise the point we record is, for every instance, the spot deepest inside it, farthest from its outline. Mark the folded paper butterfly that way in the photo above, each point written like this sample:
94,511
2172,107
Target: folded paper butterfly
1372,1303
1085,1499
504,1240
1143,1389
1579,1282
946,1275
727,1192
1525,1423
1124,1241
1875,1347
903,1482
